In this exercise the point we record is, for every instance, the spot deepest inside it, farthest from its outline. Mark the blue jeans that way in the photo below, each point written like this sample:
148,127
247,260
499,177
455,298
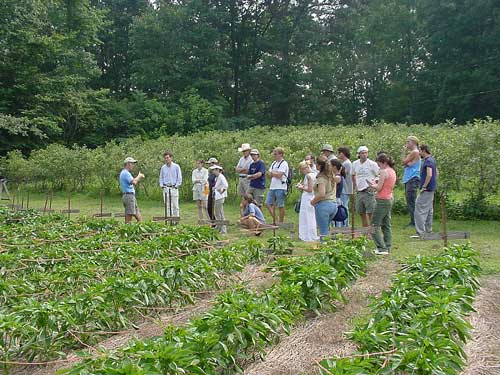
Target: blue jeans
325,211
344,199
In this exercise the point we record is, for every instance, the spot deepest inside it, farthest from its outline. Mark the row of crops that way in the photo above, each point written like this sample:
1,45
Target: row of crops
63,281
418,326
243,322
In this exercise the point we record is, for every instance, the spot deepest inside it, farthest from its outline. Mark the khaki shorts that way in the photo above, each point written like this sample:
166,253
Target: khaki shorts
365,202
243,186
257,194
130,204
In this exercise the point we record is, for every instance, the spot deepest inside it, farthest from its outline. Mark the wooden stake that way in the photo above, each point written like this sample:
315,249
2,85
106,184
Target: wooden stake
443,219
352,216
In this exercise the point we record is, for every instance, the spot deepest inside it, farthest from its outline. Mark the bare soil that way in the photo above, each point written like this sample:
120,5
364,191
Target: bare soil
483,349
323,336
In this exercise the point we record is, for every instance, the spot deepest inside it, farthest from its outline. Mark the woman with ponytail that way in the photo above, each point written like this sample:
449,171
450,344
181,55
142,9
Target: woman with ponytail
381,219
324,201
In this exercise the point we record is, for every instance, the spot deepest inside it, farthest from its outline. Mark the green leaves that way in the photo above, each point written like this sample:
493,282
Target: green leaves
422,316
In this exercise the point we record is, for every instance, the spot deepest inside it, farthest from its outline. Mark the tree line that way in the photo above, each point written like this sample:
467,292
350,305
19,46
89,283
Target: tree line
89,71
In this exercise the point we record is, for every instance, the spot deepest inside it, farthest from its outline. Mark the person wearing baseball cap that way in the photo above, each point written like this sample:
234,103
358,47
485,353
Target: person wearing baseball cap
410,156
257,178
364,173
242,170
127,186
327,150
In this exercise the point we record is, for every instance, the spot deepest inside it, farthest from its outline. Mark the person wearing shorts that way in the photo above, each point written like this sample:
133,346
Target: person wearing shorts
364,172
278,171
257,177
127,186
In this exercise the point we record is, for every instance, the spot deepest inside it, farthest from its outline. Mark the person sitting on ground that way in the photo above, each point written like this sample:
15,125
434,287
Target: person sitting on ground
252,218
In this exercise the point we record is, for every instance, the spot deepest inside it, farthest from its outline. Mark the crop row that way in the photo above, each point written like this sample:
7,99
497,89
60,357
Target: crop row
242,322
32,329
418,326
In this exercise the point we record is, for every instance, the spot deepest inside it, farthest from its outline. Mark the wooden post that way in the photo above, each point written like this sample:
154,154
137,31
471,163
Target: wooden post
352,215
46,201
165,205
444,232
50,200
28,200
101,196
69,204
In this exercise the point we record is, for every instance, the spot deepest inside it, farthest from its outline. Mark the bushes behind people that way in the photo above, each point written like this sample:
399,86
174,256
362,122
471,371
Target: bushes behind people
468,157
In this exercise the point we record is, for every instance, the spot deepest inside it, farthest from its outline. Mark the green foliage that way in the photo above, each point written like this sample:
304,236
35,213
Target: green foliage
240,325
422,317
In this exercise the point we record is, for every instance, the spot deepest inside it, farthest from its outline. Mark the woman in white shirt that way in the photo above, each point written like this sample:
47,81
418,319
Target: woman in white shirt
307,217
220,194
199,176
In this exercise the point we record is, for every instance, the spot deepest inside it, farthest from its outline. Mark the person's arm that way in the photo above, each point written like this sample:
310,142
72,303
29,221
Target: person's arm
161,177
337,179
320,195
179,177
193,177
354,182
411,158
428,178
378,186
309,186
137,179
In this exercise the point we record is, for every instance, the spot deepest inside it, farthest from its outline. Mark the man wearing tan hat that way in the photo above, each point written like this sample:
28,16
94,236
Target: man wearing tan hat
127,186
242,170
411,161
327,150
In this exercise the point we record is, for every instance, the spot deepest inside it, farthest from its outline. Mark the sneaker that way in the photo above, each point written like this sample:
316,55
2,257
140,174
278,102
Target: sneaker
381,252
415,236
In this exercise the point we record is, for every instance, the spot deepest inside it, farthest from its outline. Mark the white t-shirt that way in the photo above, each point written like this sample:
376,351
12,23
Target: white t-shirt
364,171
245,164
220,183
279,183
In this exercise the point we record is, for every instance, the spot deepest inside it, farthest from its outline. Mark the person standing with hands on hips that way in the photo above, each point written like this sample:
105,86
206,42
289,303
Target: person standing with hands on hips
170,180
257,177
364,171
127,186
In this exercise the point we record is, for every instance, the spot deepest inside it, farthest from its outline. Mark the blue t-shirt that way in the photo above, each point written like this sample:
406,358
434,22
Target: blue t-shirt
126,182
254,210
429,162
411,171
258,166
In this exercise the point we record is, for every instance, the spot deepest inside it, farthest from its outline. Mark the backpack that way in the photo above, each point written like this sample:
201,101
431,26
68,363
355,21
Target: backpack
341,214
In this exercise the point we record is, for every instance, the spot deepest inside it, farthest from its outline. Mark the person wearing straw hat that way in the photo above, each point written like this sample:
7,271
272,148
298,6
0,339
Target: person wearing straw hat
242,170
411,161
327,150
257,177
220,195
127,186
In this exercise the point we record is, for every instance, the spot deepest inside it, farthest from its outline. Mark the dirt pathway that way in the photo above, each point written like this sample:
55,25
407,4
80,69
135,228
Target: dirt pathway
253,276
483,350
323,336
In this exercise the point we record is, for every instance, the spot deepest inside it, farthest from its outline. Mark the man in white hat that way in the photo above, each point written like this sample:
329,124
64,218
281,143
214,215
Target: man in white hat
364,172
242,170
127,186
327,150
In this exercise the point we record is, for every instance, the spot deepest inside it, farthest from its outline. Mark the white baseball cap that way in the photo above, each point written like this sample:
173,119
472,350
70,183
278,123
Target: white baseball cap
362,149
129,159
212,160
254,152
215,167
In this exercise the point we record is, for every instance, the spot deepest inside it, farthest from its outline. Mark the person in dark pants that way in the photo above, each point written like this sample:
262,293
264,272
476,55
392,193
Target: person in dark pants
211,184
411,176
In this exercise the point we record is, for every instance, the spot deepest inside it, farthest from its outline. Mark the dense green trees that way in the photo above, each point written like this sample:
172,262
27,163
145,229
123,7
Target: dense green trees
88,71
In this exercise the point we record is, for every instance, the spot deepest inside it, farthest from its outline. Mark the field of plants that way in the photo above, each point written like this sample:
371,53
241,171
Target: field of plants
468,158
68,285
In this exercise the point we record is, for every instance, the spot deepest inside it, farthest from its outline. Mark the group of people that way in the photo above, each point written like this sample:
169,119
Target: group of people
329,182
